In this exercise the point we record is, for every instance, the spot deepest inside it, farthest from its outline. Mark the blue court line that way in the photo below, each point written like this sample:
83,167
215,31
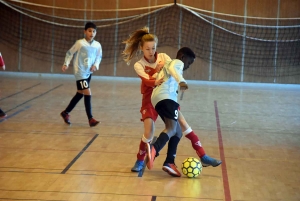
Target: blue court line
78,155
14,114
34,98
19,92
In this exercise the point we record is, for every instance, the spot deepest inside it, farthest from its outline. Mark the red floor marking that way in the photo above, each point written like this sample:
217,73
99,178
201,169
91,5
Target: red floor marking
222,156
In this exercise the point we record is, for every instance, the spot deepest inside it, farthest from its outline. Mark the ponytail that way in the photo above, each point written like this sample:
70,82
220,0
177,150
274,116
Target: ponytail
135,40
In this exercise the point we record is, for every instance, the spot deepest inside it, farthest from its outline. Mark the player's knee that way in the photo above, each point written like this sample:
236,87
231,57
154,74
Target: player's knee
171,131
183,124
87,92
147,139
179,135
187,131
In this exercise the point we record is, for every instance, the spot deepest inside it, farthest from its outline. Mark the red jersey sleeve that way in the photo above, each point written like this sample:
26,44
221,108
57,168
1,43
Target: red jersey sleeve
145,73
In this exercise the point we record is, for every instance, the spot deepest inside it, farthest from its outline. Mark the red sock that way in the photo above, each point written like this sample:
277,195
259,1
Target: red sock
142,152
196,143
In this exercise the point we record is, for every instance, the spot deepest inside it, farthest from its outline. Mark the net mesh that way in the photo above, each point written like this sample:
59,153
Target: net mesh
253,46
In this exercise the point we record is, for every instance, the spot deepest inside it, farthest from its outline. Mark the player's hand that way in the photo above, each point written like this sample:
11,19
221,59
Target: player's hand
64,68
159,82
183,86
159,66
93,69
3,67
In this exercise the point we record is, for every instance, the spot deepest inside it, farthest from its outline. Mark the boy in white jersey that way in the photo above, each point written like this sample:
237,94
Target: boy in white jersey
88,55
164,99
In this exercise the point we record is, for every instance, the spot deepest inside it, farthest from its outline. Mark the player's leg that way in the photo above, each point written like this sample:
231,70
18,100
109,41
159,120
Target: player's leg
168,111
79,94
169,164
149,116
143,146
85,84
196,144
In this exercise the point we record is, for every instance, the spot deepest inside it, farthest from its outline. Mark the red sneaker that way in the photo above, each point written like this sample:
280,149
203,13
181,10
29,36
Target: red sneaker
171,169
66,117
93,122
2,115
151,157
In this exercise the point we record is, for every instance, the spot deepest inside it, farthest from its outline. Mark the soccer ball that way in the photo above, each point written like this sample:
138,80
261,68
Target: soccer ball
191,167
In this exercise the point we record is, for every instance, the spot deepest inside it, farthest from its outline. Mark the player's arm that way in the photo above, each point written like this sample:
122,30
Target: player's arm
147,79
98,58
167,59
175,69
69,55
160,65
183,86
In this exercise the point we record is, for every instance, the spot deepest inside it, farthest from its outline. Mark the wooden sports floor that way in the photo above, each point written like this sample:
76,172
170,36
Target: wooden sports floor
253,128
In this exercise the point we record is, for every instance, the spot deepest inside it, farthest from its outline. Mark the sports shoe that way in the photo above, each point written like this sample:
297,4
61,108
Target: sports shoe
138,166
93,122
150,144
66,117
171,169
2,115
151,157
208,161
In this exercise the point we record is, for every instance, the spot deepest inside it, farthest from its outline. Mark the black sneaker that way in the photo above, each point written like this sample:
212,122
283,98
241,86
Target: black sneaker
66,117
2,115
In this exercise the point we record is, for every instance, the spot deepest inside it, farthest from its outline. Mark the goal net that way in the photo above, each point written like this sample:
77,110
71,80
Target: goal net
248,46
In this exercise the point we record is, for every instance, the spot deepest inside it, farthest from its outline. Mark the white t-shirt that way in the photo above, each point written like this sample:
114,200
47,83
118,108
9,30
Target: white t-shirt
86,55
172,75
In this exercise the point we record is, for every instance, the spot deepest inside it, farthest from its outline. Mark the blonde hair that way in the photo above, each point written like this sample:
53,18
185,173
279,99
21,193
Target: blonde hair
135,40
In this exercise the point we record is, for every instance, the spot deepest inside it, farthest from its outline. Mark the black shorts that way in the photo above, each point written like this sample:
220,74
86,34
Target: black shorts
83,84
167,108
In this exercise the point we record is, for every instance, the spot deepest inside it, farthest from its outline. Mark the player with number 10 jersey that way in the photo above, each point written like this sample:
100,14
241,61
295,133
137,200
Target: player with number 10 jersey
87,56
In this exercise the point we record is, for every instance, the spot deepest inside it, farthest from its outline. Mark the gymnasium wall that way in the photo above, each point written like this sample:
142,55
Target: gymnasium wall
21,59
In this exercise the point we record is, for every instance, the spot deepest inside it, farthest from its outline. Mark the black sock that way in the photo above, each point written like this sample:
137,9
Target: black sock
172,149
73,102
160,142
88,106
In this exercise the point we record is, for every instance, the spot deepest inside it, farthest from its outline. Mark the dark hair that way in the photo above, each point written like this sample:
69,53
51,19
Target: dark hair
90,25
185,51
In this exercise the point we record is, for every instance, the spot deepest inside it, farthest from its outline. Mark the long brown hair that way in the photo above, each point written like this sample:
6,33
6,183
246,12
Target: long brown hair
135,40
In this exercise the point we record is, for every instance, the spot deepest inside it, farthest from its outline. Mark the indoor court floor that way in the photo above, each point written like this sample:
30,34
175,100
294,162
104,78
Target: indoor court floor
253,128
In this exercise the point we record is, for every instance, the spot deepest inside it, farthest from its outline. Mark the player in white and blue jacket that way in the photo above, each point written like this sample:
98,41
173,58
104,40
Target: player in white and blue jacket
87,55
164,99
172,77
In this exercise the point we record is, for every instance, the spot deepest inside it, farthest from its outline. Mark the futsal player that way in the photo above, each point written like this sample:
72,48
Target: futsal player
88,55
146,68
